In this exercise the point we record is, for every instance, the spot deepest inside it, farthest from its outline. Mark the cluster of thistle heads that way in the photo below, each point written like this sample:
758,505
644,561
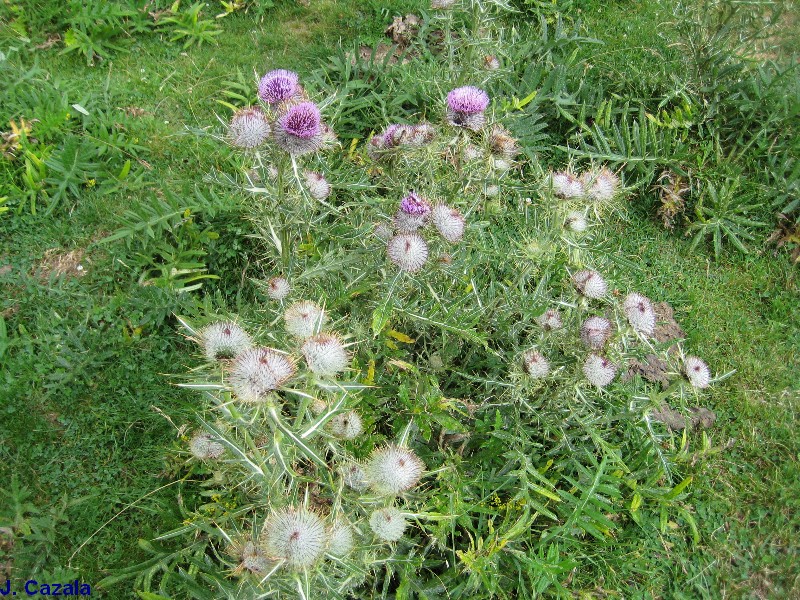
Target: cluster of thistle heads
594,185
597,332
368,501
286,117
405,244
365,516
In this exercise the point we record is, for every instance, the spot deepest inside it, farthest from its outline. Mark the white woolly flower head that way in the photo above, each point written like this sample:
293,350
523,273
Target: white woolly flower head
449,222
550,320
347,425
595,332
471,152
590,283
248,128
535,363
341,539
295,535
392,470
354,476
501,164
640,313
601,186
278,288
224,339
316,184
304,319
576,221
566,186
388,524
408,251
697,372
599,370
258,371
325,354
203,446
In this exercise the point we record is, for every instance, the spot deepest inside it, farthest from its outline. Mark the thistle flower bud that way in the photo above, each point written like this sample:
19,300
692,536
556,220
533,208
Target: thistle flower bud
258,371
550,319
248,128
278,86
278,288
224,340
491,63
304,319
697,372
317,186
251,558
640,313
325,354
449,222
203,446
566,186
576,222
471,153
299,130
502,144
392,470
354,476
413,213
318,406
595,332
408,251
383,231
600,186
388,524
328,138
346,425
465,107
375,147
590,283
341,539
599,370
536,365
295,535
501,164
491,191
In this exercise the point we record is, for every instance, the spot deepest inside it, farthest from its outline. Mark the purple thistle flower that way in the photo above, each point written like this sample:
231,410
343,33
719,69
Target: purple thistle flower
412,214
414,204
465,106
278,86
394,135
299,130
468,100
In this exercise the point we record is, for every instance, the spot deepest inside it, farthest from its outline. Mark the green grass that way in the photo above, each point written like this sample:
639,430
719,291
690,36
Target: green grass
83,370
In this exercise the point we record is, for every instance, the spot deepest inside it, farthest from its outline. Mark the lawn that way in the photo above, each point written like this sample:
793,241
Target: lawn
93,424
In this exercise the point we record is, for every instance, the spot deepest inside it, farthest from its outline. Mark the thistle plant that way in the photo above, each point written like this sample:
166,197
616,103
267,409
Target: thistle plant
448,381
